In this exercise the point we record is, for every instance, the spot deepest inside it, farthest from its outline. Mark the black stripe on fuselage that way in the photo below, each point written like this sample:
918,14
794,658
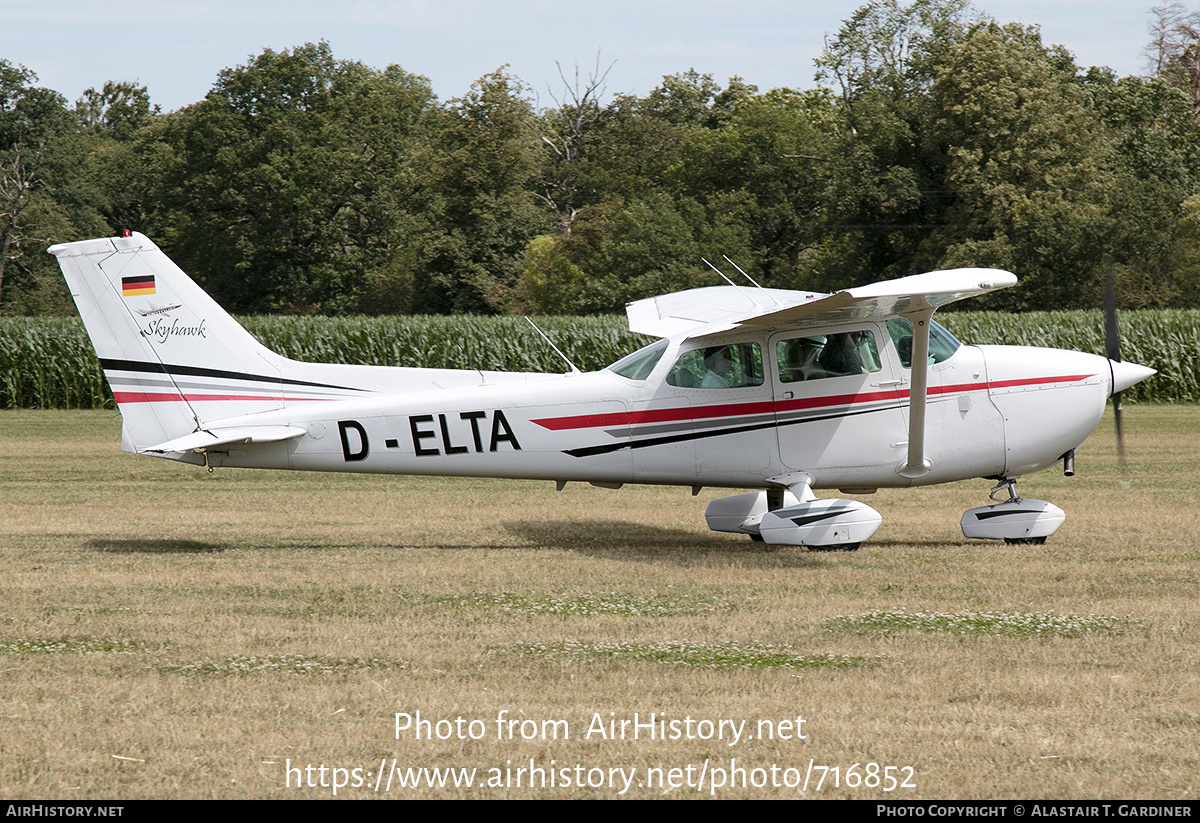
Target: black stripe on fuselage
198,371
591,451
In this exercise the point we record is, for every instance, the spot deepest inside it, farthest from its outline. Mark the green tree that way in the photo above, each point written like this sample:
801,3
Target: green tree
884,172
481,177
566,131
887,49
117,110
697,100
622,251
641,220
33,123
1184,254
768,170
1174,49
290,186
1154,153
628,152
111,161
1026,178
632,145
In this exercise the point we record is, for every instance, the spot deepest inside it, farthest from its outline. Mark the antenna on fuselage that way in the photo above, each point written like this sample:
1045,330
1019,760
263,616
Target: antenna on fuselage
723,277
735,285
742,273
550,343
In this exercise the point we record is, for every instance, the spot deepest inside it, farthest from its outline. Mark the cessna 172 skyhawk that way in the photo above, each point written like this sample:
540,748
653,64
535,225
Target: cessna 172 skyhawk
782,392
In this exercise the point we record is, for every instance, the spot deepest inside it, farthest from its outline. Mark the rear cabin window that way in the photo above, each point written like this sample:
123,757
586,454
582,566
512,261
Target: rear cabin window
732,366
821,356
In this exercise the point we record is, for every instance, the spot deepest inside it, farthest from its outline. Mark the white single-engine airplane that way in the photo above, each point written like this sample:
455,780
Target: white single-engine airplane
778,391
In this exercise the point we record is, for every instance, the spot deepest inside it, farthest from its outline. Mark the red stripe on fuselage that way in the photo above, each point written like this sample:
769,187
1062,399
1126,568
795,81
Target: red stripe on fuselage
587,421
1026,381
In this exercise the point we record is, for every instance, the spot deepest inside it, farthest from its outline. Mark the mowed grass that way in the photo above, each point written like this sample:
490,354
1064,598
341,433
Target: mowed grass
165,632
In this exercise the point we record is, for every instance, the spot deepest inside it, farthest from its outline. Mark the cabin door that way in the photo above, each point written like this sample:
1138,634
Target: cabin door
841,404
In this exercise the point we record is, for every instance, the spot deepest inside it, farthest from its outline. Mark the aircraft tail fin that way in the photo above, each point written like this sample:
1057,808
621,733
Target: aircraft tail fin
173,357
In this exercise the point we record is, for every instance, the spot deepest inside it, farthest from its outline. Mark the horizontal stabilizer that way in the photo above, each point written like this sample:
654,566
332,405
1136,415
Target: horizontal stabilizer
208,438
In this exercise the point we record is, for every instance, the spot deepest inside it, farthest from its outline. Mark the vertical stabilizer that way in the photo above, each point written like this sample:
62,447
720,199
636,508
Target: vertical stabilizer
173,357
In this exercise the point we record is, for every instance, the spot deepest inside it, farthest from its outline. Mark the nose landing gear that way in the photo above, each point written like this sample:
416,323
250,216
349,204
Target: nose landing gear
1014,520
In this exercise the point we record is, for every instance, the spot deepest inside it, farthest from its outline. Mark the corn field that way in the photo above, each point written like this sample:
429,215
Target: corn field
48,363
459,342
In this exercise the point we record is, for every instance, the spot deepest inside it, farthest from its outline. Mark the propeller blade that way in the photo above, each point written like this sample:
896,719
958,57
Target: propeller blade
1112,349
1112,334
1116,398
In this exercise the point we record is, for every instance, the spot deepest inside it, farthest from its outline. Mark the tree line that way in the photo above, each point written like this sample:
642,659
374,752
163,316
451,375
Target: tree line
935,137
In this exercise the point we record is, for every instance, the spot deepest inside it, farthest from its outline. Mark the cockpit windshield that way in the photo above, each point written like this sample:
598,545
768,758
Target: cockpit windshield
637,366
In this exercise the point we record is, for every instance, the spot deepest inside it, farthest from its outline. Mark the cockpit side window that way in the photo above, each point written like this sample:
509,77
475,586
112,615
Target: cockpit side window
942,344
834,355
731,366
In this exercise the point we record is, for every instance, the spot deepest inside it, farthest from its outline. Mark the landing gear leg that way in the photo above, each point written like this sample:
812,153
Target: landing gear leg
1009,485
774,499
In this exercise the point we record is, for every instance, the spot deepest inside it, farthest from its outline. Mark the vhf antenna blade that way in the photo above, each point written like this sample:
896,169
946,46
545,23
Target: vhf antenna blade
735,285
550,343
718,271
739,268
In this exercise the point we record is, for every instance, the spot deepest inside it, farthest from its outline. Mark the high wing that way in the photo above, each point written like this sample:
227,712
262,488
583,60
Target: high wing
709,311
706,312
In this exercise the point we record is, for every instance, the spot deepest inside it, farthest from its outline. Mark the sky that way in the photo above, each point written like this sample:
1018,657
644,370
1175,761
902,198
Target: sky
176,47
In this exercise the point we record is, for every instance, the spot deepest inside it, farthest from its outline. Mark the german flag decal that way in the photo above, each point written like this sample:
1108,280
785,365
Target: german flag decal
139,284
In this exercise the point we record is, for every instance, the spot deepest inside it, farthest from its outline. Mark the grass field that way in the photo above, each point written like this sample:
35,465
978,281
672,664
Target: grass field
168,633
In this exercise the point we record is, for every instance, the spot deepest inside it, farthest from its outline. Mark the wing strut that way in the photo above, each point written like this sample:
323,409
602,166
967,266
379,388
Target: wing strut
918,464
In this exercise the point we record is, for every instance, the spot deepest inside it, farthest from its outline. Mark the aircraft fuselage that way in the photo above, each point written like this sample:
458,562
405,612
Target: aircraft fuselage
992,410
